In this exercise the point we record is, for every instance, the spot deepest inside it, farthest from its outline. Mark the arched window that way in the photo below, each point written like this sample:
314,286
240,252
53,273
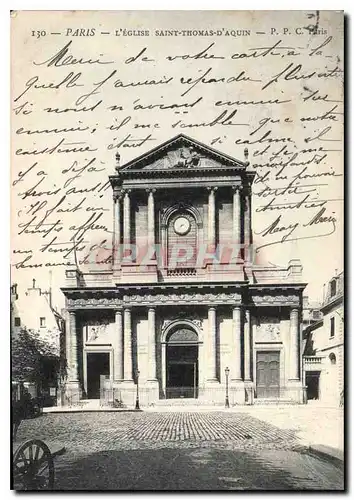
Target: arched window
332,358
182,335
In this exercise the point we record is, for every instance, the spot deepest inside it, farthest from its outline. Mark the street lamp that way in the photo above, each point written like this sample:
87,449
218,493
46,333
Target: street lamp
227,404
137,407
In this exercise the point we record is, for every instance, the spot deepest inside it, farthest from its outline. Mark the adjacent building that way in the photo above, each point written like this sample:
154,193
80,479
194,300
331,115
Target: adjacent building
324,349
32,311
184,309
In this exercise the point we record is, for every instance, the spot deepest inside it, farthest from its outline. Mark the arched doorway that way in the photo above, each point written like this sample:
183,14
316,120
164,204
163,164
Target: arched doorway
182,363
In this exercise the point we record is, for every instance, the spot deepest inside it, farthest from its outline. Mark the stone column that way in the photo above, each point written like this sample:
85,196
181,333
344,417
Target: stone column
151,345
118,347
211,345
151,217
128,361
68,324
126,220
247,345
247,226
236,219
72,354
294,372
236,344
211,218
116,228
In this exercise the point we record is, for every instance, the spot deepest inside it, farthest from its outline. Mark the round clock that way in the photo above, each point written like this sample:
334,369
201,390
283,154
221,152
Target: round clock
182,225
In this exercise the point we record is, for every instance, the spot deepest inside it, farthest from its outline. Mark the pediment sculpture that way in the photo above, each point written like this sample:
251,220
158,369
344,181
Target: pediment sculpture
185,157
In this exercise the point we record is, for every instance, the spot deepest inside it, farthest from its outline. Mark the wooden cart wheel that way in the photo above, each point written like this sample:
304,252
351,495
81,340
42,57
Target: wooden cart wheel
33,467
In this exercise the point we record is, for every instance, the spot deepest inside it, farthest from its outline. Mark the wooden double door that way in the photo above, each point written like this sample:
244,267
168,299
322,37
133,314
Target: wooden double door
182,371
97,365
268,374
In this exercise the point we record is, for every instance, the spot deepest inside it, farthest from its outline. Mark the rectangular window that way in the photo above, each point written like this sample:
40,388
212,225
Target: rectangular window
333,288
42,322
332,327
316,314
17,321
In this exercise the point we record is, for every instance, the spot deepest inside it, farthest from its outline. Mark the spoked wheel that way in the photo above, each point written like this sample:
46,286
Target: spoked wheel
33,467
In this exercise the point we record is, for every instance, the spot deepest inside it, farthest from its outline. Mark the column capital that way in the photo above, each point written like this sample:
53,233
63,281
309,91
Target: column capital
294,313
212,189
126,192
212,308
152,308
247,191
117,195
237,188
118,309
150,190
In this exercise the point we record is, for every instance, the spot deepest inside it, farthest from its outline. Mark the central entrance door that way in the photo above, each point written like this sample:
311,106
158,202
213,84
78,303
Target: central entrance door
97,365
182,364
268,375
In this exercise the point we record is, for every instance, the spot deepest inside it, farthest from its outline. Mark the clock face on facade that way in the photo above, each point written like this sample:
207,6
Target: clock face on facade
182,225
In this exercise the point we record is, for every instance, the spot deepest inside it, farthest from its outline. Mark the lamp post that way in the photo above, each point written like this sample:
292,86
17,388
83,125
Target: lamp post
227,404
137,406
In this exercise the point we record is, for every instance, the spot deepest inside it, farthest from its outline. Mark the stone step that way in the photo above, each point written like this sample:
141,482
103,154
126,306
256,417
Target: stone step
186,402
274,402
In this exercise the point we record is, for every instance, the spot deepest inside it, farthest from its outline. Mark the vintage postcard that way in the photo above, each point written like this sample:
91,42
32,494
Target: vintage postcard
177,317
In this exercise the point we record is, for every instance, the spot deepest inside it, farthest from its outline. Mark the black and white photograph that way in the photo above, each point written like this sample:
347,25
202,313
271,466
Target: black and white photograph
177,250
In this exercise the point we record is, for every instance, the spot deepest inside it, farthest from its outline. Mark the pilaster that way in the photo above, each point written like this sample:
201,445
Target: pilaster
118,347
128,361
211,343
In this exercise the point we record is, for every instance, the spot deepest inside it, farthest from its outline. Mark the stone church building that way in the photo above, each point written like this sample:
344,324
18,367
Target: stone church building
184,309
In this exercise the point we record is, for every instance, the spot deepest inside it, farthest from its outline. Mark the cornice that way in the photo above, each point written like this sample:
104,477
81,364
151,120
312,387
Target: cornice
338,300
276,286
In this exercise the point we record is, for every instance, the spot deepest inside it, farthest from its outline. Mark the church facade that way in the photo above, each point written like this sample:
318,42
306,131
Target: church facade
184,311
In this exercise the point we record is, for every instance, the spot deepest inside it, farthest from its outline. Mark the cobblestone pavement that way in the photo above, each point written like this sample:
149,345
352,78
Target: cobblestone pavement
174,451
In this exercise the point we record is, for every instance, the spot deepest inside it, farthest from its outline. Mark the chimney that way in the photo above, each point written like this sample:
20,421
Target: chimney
117,167
14,294
295,270
33,283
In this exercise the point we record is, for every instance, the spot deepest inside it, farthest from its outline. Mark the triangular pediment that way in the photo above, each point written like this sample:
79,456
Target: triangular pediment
182,152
